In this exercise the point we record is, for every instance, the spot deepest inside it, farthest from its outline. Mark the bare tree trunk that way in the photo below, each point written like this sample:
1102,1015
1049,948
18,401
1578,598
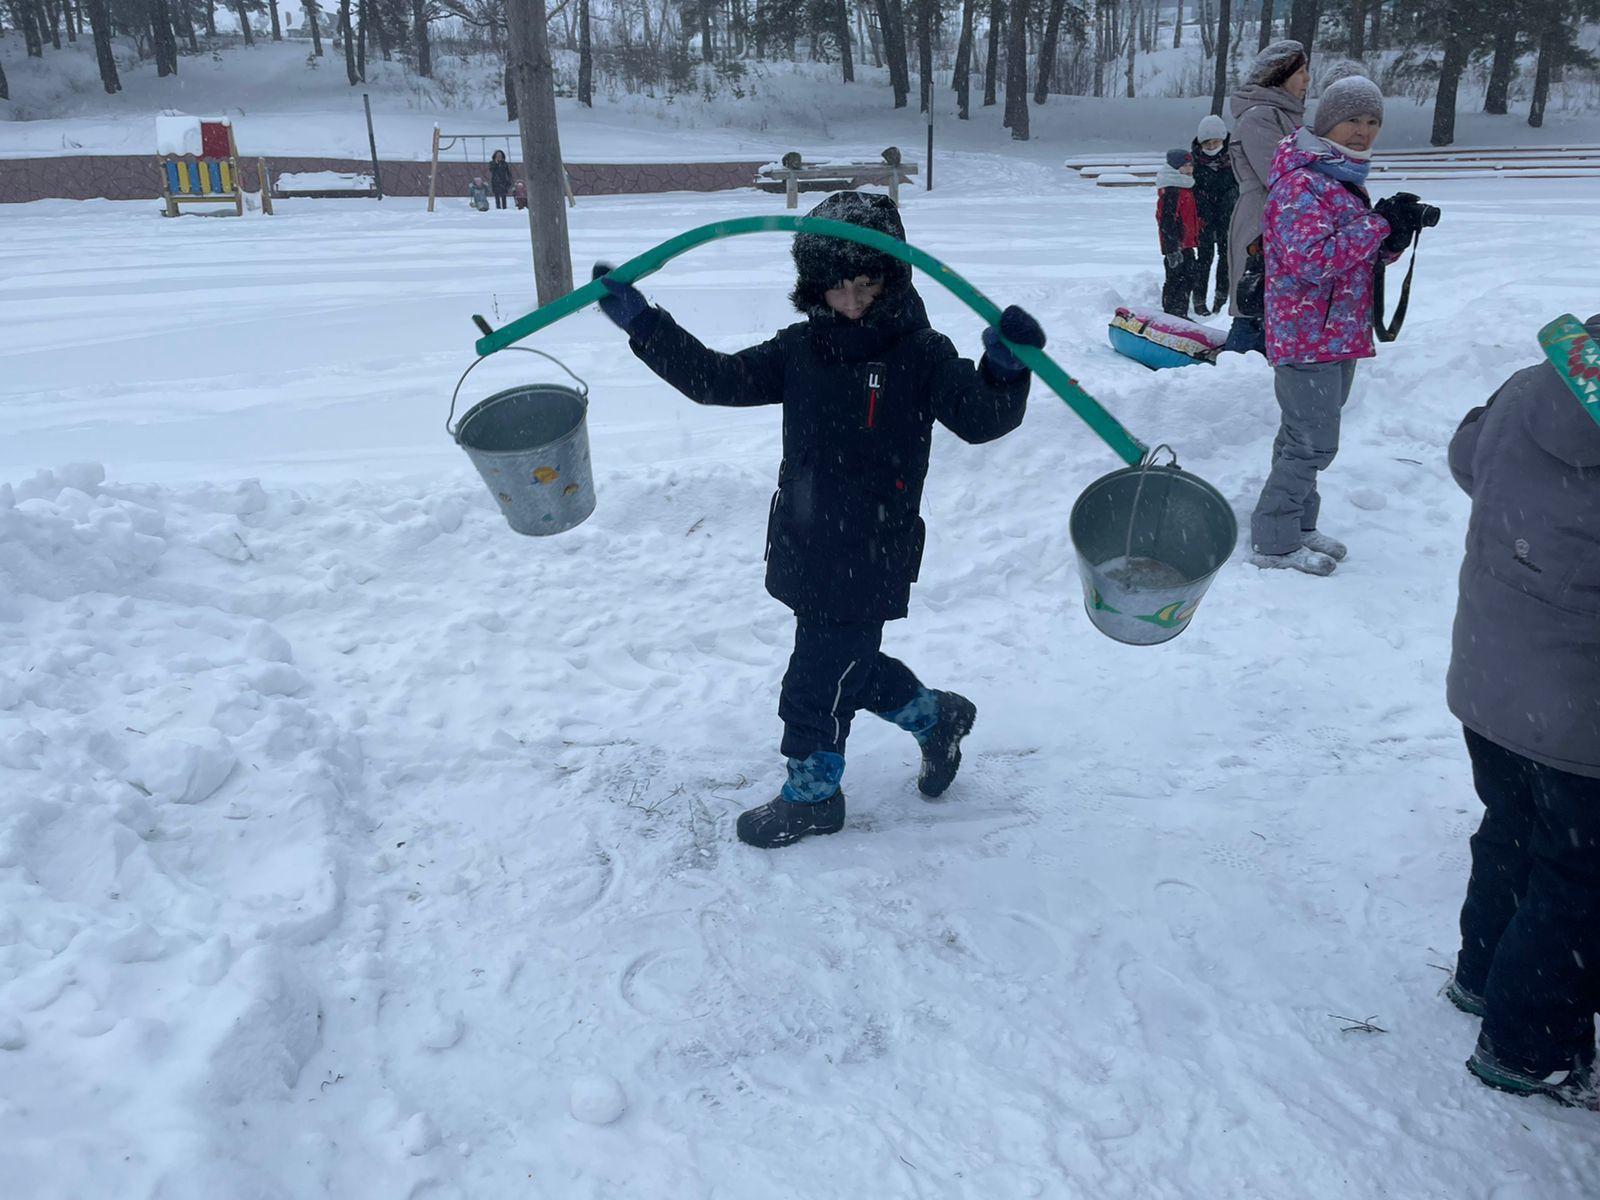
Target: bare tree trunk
1549,58
1177,27
1303,22
842,24
961,80
277,29
363,13
997,16
1219,83
1505,59
316,27
1047,51
891,19
69,22
244,22
1133,20
1358,29
347,35
1375,42
162,40
585,57
1016,118
1456,48
50,18
5,91
211,18
1264,26
706,54
100,19
925,11
529,60
419,34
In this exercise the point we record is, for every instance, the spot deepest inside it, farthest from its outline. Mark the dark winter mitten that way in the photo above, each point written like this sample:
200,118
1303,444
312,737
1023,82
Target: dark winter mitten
1016,325
1172,258
1403,212
625,305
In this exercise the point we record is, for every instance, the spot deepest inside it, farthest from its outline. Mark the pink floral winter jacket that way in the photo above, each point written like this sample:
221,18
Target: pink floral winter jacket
1321,243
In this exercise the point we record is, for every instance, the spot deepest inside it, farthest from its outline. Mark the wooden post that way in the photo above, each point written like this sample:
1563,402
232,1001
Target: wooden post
433,172
791,188
266,186
894,183
238,175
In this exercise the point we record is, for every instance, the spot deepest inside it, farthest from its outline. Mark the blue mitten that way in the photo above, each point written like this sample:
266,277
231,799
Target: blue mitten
625,304
1018,326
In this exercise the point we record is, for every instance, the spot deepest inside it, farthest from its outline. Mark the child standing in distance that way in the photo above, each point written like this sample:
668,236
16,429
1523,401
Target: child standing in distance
499,178
1216,191
1178,225
861,379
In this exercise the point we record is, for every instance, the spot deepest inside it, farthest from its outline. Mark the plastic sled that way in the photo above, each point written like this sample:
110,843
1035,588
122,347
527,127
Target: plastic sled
1159,340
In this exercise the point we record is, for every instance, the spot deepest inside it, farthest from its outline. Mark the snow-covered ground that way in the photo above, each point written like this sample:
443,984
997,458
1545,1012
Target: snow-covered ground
354,846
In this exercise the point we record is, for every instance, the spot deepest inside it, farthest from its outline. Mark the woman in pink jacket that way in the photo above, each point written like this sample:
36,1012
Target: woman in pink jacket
1322,241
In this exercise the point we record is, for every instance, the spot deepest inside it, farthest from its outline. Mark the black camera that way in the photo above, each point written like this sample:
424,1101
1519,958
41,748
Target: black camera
1427,214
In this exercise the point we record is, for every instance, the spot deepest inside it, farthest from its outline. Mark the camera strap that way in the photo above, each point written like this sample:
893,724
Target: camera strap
1388,332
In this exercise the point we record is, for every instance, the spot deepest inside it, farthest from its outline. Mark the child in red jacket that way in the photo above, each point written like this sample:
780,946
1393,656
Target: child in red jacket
1178,221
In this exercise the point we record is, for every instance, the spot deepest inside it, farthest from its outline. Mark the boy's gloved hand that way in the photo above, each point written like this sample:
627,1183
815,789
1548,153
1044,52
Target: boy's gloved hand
1017,326
1172,257
625,305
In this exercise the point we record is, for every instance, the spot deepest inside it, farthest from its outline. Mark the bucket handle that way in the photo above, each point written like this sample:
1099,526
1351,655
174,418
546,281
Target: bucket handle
583,388
1145,463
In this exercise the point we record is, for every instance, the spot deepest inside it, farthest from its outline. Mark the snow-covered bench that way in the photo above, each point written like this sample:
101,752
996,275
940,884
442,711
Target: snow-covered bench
793,175
322,185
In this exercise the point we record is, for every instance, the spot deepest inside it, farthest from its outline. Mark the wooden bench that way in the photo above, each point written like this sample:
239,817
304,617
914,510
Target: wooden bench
793,176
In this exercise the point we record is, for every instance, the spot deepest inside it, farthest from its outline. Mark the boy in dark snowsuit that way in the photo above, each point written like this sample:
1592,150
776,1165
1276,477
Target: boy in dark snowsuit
862,380
1178,223
1216,191
499,178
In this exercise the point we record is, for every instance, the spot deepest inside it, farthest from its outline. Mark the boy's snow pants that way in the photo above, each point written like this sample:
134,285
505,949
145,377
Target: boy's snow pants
1530,926
1311,397
1179,283
1213,240
836,670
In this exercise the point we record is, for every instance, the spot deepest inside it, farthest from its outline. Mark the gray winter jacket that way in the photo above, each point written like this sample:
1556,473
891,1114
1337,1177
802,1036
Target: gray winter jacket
1262,117
1525,664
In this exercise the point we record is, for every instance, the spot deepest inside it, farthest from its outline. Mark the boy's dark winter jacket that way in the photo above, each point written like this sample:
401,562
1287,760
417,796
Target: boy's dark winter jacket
844,536
1216,189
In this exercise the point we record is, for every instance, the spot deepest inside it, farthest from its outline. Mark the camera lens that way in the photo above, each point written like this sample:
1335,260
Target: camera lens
1429,215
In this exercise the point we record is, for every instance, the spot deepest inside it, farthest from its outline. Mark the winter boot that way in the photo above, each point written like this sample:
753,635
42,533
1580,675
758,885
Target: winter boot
1576,1086
941,745
1200,309
809,803
1323,544
1219,301
1302,558
1466,1000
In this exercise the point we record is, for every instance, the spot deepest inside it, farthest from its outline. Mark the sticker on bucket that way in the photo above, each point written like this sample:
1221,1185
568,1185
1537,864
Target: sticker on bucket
524,439
1149,541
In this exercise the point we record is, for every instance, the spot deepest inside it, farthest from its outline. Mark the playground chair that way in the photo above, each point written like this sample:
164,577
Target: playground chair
210,177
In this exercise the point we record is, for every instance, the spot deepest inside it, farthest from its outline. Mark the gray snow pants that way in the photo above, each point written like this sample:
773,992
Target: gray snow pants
1311,397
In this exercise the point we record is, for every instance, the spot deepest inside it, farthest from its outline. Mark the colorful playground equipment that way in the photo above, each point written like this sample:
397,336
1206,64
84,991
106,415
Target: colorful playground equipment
200,164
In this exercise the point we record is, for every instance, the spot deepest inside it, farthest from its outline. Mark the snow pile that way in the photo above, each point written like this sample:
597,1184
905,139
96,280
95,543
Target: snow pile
177,134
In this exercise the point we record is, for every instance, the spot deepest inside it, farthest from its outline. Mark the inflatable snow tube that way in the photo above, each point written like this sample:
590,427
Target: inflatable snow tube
1157,340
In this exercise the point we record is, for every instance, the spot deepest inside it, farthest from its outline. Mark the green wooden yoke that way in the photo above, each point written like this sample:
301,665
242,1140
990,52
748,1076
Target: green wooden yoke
1110,430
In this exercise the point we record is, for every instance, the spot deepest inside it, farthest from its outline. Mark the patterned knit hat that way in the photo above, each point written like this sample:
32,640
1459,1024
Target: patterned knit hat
1352,96
1276,62
823,262
1342,69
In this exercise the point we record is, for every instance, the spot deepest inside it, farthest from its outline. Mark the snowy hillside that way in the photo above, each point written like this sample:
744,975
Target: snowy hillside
354,846
281,104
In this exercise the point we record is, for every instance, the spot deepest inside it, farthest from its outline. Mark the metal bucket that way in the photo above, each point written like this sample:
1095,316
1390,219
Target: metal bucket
1149,541
531,446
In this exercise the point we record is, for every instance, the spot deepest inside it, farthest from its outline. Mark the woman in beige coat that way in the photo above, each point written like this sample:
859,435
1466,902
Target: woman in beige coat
1268,108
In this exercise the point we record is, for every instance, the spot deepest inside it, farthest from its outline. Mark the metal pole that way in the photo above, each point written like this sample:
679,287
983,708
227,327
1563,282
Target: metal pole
928,186
372,141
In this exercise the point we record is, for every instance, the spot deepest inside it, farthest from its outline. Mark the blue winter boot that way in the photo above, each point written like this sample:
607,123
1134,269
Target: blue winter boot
810,802
938,720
